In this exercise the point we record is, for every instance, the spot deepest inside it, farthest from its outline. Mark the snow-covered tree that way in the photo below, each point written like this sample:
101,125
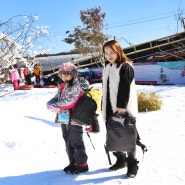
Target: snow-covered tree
20,40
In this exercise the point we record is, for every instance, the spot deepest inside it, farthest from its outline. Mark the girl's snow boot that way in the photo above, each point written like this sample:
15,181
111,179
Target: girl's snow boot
75,169
68,168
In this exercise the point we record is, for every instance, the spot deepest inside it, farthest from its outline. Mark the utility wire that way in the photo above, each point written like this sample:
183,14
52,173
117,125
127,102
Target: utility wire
128,24
139,19
136,22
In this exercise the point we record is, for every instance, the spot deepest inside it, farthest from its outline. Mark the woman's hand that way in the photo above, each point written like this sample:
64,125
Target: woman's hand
121,111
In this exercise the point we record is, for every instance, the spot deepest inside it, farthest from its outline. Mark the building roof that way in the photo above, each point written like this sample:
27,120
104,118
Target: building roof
163,49
167,48
49,62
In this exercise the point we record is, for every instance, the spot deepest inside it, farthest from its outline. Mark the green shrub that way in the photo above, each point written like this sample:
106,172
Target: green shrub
149,101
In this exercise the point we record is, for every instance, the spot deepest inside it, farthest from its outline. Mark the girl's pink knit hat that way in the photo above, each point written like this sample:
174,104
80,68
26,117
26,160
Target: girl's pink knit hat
67,67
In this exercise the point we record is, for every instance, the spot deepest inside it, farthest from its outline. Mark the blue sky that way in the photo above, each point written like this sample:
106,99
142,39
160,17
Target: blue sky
133,20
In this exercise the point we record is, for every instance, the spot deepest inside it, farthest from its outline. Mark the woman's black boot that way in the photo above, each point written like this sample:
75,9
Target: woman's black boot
120,162
132,167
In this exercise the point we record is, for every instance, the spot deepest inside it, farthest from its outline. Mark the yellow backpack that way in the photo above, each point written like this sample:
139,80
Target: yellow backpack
96,94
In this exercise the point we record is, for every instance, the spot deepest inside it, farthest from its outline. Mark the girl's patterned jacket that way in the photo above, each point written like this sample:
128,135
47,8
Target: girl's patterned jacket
67,97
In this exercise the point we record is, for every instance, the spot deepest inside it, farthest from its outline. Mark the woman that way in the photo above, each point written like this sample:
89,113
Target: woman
119,95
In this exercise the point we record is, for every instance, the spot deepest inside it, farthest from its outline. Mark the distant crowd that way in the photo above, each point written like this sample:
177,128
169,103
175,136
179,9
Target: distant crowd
23,75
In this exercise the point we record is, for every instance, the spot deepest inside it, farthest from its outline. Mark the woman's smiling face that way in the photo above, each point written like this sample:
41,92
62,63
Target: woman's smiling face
110,55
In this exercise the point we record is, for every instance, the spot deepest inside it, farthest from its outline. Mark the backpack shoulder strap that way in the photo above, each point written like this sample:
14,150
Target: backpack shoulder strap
89,94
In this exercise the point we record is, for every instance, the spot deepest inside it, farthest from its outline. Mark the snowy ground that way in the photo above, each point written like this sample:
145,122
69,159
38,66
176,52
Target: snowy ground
32,149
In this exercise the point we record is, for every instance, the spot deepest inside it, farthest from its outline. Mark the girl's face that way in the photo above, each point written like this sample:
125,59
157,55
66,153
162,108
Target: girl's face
110,55
66,77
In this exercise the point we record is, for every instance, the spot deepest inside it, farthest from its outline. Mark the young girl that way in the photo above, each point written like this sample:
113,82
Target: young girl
119,95
63,103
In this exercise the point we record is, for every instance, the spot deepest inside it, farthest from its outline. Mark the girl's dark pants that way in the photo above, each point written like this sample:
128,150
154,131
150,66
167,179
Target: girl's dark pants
75,148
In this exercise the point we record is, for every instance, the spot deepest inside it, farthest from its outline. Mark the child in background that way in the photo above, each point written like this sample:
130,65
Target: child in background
96,95
15,77
27,75
63,103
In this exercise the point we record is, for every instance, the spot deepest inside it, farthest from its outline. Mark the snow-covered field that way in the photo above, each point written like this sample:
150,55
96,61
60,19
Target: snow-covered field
32,150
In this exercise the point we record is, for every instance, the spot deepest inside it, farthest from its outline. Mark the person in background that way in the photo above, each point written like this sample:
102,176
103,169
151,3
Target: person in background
63,103
6,76
27,75
15,77
37,72
96,95
119,95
